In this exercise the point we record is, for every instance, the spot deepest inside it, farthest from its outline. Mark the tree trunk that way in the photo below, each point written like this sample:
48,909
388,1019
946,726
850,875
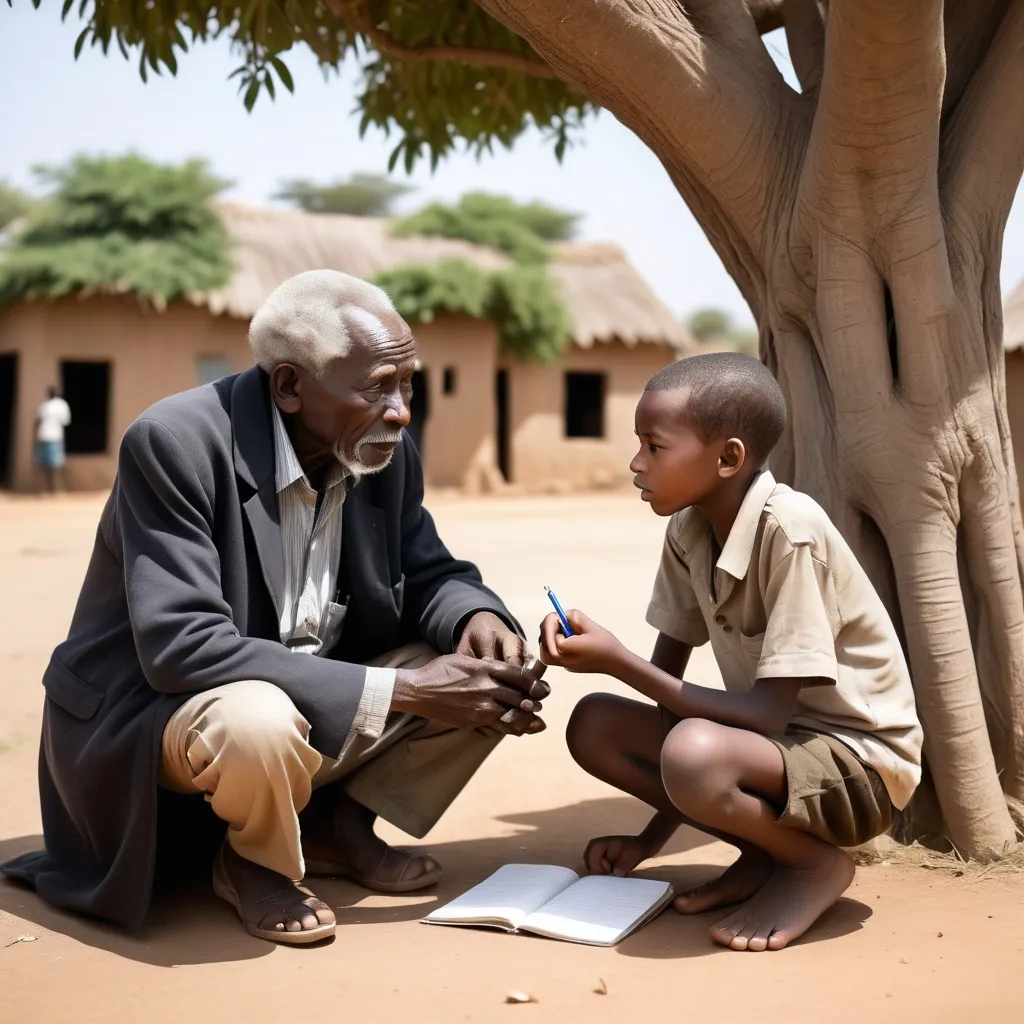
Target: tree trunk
862,219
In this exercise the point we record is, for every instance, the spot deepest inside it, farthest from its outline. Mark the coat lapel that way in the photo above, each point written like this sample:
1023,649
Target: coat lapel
253,442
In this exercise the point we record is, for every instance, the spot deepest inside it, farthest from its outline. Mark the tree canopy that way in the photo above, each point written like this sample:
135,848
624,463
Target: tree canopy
713,324
520,230
433,73
523,300
119,224
13,203
361,195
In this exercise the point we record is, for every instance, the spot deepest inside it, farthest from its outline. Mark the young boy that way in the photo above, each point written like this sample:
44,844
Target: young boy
815,737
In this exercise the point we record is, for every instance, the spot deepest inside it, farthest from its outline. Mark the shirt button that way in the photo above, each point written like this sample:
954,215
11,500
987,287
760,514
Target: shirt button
727,629
720,619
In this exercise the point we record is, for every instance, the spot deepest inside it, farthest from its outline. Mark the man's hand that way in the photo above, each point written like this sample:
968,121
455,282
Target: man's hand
592,649
487,636
472,693
614,855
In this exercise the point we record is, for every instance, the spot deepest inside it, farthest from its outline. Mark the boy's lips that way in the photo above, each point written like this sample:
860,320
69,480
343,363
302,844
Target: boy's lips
643,488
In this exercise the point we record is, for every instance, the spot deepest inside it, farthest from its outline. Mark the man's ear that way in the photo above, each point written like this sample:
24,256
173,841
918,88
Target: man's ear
286,388
732,458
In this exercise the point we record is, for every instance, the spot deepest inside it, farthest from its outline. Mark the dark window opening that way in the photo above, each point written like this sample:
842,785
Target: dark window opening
448,381
584,405
8,392
501,410
419,409
86,389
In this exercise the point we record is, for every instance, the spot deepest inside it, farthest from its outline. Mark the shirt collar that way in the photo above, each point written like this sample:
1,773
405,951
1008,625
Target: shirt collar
739,545
287,468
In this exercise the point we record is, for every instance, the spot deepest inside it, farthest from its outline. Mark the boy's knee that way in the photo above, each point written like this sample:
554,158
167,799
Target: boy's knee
694,763
590,727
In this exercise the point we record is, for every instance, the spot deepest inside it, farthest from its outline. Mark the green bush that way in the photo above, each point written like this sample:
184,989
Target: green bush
119,224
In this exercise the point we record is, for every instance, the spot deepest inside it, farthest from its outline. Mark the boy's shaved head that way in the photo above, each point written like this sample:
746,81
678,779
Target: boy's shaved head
725,394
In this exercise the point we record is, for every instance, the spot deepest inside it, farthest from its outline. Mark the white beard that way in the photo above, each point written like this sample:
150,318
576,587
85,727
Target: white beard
356,467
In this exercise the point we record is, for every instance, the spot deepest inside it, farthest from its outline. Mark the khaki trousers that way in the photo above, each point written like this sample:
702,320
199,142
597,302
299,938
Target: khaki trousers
246,747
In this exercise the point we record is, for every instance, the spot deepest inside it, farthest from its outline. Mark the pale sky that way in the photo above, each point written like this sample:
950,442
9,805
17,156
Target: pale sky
53,107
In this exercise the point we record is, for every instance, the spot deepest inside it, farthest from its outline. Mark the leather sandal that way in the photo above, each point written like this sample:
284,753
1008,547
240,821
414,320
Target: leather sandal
372,882
283,899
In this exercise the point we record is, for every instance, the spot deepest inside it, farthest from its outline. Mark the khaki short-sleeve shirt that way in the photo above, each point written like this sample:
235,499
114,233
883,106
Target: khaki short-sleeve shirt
787,599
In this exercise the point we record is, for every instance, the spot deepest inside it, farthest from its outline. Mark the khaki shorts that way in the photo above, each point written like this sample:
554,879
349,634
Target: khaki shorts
831,793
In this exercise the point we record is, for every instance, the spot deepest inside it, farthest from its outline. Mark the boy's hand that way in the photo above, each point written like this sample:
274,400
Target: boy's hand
592,649
613,855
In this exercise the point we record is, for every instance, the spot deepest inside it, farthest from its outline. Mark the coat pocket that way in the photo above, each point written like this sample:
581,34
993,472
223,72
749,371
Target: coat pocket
77,697
398,596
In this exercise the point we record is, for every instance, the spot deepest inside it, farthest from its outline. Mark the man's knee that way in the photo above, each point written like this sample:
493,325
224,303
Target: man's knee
591,728
695,765
253,725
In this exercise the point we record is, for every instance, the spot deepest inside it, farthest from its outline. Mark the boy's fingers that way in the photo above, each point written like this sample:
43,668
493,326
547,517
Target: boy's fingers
577,620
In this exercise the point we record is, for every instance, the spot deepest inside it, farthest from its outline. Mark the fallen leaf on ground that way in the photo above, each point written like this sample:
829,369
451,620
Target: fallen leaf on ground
519,997
24,938
602,988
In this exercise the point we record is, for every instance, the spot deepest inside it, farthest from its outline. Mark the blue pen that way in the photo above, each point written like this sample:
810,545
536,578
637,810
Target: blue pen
566,628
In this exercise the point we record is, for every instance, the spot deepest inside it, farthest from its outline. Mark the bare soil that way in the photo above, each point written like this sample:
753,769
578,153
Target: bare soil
906,943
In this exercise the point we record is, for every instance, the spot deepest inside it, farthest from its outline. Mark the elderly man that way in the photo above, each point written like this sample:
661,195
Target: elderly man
260,624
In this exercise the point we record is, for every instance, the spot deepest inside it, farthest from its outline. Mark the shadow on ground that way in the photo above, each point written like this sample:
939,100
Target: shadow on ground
189,925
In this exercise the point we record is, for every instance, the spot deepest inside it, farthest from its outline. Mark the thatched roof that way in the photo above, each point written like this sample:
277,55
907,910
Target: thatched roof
606,297
1013,320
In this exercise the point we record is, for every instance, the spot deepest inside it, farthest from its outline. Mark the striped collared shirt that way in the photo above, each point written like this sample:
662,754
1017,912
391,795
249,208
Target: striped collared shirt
311,621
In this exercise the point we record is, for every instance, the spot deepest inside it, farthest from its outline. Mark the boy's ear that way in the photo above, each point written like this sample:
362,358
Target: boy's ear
732,459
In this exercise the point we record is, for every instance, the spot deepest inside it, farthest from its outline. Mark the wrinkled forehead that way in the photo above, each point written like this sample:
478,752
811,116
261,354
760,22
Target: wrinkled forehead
380,332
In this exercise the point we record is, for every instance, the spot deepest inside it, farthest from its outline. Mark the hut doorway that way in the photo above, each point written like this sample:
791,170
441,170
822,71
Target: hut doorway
8,391
501,425
419,409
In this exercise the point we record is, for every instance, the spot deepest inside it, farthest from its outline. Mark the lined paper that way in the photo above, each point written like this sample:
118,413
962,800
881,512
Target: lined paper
509,896
598,909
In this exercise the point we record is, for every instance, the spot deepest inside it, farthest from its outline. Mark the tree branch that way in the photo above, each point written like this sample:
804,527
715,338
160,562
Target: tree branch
983,155
697,86
385,43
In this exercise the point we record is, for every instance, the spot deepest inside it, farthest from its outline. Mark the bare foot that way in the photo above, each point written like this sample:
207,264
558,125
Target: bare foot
270,904
788,904
338,839
738,882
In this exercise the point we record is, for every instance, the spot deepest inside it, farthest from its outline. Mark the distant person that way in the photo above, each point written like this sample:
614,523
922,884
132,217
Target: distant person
271,622
52,417
816,738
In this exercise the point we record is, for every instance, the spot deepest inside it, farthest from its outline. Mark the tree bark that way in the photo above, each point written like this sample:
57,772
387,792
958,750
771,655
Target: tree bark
862,220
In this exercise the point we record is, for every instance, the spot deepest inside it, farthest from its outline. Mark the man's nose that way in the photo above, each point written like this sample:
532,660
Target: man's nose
397,411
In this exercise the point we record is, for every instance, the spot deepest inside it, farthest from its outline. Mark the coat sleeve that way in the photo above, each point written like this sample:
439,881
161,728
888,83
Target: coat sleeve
184,633
441,592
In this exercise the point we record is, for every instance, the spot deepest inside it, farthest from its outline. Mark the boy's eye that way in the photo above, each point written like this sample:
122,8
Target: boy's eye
652,448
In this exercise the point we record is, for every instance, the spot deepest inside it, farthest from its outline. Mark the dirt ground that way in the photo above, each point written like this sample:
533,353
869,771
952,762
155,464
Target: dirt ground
906,944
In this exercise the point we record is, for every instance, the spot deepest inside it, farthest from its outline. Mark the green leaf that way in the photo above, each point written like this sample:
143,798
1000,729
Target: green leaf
283,73
251,93
80,42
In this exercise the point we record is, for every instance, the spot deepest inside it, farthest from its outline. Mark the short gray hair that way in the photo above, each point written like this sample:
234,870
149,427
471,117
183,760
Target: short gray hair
307,320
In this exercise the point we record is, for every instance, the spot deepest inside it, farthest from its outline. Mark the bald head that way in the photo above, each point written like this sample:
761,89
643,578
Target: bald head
313,318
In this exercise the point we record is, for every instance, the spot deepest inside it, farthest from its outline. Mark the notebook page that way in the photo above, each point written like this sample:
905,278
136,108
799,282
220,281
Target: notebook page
511,894
599,909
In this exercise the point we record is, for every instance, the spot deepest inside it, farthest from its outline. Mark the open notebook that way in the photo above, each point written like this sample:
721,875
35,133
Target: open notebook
599,910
